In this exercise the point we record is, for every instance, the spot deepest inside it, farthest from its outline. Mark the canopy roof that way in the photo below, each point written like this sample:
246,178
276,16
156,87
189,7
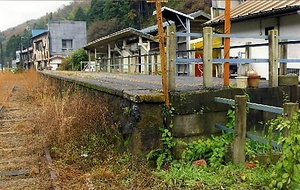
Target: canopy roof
119,35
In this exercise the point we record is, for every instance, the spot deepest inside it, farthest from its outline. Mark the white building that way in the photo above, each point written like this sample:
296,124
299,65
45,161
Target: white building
256,18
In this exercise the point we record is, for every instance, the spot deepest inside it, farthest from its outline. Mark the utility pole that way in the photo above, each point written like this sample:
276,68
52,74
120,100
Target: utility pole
1,51
227,43
1,57
21,59
161,38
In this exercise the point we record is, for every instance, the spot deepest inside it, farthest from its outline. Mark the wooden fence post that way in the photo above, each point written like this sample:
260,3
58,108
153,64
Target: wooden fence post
171,56
273,58
240,129
207,57
289,109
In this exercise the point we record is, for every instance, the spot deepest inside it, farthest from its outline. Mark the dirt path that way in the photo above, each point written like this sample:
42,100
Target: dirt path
22,164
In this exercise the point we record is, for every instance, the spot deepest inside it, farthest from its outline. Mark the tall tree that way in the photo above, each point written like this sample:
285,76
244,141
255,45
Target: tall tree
12,46
121,10
80,14
96,11
101,28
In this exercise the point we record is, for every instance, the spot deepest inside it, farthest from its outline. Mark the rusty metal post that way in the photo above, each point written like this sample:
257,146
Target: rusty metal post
227,43
161,38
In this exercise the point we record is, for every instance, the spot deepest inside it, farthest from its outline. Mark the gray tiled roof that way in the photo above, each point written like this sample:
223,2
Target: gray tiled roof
256,9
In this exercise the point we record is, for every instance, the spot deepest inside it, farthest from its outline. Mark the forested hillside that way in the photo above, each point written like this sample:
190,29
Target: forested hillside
102,16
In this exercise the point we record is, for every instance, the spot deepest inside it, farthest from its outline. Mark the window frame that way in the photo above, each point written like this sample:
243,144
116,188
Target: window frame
67,44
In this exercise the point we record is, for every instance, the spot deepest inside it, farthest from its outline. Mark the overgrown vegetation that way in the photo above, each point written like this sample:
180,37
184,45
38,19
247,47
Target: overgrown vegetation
286,174
205,164
73,62
83,145
163,154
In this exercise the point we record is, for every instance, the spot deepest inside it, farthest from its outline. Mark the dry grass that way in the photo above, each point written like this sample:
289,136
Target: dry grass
73,124
22,147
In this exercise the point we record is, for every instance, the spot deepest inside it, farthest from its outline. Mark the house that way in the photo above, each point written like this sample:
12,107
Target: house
57,42
40,41
24,56
256,18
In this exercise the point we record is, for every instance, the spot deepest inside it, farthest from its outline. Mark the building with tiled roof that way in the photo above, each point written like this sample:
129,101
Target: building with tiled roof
253,19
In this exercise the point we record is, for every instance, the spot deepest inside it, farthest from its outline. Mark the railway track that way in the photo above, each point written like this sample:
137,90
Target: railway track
22,161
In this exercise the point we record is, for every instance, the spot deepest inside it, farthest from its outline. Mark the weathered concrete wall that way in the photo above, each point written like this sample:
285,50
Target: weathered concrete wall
137,122
197,112
66,30
138,116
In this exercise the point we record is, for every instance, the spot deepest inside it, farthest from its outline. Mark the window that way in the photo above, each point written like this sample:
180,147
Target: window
267,29
38,45
67,44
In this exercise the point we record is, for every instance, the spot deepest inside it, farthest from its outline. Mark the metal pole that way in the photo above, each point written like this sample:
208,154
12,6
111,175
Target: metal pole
227,43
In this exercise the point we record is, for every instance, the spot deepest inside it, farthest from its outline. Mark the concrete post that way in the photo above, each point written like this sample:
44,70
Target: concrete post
155,63
171,56
207,57
121,65
248,54
283,55
145,63
129,64
109,59
240,129
95,51
273,58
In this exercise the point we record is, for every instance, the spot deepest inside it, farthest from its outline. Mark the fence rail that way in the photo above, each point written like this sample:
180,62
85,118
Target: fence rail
249,136
239,130
261,107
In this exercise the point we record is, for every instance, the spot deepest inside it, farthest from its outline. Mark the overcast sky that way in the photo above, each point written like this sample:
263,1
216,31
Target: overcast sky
13,12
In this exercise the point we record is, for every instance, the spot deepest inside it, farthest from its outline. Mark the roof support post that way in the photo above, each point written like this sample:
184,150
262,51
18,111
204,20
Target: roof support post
273,58
95,59
109,58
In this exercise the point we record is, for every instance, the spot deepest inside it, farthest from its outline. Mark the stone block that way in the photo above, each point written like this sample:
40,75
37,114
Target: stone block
197,125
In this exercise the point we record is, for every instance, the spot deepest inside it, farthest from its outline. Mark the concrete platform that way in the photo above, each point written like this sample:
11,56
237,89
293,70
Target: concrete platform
195,109
140,88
